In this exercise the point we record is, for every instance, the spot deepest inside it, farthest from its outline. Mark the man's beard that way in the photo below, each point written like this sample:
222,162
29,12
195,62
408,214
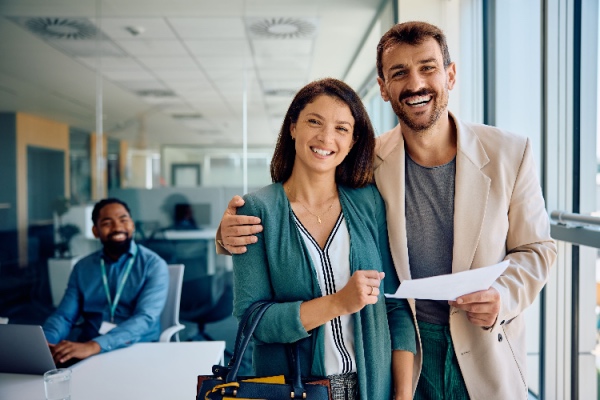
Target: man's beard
440,103
117,248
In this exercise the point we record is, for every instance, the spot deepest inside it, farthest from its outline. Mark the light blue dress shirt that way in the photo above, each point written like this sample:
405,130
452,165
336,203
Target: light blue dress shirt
138,311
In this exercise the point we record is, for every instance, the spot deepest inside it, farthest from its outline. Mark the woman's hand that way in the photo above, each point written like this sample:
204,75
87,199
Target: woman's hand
362,289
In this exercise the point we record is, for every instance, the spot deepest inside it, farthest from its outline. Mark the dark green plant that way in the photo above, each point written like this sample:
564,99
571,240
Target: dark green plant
65,232
60,206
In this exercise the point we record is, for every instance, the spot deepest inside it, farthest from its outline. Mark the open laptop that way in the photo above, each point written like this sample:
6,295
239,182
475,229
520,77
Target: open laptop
24,350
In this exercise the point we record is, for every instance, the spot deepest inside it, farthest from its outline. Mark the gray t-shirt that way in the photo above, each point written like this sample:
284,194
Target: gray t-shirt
430,229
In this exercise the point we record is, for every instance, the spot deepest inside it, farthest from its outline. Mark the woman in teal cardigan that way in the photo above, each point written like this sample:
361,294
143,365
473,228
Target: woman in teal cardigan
323,254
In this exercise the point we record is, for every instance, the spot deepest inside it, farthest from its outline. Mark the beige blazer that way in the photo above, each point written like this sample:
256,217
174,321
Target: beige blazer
499,214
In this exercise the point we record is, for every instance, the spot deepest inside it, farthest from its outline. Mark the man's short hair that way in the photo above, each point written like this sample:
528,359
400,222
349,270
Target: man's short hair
104,202
411,33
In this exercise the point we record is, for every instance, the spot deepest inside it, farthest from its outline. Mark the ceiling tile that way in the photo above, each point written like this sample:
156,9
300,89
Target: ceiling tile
217,46
88,48
142,85
282,74
181,75
292,47
170,63
201,96
138,28
199,28
283,62
161,100
111,63
233,61
158,47
287,84
128,75
186,85
179,109
198,124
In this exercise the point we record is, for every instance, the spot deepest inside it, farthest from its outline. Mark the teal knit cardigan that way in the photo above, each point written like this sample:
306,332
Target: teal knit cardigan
279,268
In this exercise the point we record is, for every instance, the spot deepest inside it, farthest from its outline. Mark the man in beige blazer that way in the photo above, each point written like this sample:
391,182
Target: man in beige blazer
458,196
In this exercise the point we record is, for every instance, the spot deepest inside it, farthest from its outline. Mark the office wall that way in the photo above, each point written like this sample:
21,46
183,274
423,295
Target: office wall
219,166
35,131
8,194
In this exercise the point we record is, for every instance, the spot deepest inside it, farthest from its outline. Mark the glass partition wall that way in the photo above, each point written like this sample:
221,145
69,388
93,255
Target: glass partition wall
106,97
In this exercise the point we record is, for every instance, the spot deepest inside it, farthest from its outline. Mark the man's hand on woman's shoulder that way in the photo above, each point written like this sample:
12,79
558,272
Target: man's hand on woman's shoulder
237,231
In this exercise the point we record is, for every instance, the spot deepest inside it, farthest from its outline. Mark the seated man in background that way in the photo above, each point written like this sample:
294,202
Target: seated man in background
119,291
184,217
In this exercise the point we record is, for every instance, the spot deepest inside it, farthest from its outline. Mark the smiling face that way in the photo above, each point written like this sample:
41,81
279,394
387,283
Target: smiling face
323,134
416,83
115,229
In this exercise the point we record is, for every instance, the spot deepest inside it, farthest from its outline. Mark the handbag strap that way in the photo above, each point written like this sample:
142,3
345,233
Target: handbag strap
294,351
244,334
246,329
241,328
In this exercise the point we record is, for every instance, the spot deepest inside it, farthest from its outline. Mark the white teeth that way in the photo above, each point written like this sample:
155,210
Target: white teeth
418,100
321,152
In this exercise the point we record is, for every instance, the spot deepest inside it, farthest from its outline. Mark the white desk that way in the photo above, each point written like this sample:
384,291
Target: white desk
149,371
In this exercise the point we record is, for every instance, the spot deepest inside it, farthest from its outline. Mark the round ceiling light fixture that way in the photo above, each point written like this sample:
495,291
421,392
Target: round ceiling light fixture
283,28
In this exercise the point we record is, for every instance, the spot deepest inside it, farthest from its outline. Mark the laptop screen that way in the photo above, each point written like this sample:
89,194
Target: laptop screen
24,350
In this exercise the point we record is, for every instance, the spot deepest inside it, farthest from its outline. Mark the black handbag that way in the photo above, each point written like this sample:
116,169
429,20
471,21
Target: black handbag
226,384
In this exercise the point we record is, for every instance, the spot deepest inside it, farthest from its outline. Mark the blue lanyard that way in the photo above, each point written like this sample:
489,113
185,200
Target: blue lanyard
111,304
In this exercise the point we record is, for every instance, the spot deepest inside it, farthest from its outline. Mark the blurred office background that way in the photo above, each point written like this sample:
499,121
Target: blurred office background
174,106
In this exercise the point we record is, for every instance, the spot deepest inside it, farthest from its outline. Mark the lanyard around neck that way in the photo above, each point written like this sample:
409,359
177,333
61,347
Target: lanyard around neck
111,304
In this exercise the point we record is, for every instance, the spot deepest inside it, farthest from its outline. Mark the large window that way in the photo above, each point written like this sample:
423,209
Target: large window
597,214
513,98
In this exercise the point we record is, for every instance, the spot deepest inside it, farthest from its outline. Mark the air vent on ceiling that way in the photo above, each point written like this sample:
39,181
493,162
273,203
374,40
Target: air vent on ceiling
156,93
62,28
187,116
72,36
280,92
282,28
158,96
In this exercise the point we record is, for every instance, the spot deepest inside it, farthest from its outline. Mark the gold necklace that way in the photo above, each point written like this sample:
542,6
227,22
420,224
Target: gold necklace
312,213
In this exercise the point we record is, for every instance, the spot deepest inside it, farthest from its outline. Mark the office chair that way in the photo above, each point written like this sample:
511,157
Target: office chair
169,319
207,299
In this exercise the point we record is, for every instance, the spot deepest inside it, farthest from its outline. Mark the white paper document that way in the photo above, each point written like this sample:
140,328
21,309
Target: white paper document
451,286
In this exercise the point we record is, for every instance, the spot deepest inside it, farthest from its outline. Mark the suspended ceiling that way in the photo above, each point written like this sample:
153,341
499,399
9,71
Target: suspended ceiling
175,72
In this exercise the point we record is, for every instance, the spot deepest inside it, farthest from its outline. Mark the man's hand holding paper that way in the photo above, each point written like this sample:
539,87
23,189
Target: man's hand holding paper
482,307
470,291
451,286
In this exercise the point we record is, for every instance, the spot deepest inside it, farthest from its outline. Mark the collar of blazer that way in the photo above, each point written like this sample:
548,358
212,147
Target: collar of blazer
468,143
